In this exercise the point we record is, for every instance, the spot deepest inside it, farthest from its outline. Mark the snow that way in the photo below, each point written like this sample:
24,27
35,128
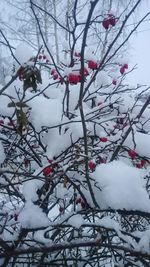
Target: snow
61,191
39,236
76,221
29,188
65,45
121,187
32,216
23,53
57,143
109,223
45,112
144,243
102,79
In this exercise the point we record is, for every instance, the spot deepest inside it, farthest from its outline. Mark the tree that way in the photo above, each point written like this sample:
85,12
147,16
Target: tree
74,145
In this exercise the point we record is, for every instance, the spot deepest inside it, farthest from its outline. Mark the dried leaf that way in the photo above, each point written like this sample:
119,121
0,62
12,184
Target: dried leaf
21,121
18,104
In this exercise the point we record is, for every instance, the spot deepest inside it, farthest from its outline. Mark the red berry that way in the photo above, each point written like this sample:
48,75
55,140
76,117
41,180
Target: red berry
132,154
40,57
100,160
78,200
1,122
103,139
114,82
26,162
77,54
122,70
125,125
79,76
50,160
138,165
53,71
10,123
112,20
120,120
125,66
99,103
16,217
61,209
55,76
91,165
143,162
86,73
47,171
73,78
106,23
92,65
35,146
44,57
83,205
47,60
61,80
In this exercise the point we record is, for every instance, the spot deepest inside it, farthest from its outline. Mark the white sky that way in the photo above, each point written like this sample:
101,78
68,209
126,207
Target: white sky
140,49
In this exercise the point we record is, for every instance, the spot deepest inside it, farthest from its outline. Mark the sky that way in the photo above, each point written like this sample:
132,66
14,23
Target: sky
140,49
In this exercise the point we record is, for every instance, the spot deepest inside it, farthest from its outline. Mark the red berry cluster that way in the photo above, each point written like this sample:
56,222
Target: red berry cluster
132,154
80,201
56,76
72,78
108,21
92,65
43,57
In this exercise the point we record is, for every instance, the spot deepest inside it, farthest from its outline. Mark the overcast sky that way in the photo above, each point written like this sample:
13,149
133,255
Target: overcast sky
140,49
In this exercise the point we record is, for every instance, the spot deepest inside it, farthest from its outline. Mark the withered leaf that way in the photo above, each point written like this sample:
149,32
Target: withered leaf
18,104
